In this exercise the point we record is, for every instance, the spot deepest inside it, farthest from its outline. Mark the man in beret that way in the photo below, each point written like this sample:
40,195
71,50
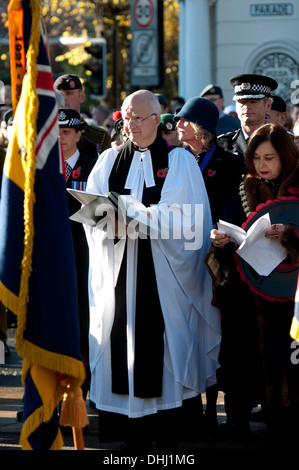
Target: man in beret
78,167
278,112
253,100
74,95
226,123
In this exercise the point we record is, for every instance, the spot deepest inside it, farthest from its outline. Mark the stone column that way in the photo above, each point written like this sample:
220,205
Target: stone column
194,47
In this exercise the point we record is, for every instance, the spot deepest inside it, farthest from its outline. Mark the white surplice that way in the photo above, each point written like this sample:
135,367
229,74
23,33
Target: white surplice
192,325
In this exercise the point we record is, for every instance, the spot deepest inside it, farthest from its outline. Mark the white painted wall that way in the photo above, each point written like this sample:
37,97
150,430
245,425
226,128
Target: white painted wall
240,41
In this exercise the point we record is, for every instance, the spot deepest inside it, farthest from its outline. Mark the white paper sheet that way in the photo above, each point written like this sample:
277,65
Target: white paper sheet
262,253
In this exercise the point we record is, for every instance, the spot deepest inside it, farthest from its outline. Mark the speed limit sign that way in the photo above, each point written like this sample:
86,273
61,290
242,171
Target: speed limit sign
143,13
146,48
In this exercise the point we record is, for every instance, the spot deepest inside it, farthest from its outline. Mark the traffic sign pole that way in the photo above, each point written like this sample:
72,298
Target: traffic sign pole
147,43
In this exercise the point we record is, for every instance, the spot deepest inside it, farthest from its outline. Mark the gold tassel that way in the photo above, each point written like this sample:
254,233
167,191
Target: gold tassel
73,409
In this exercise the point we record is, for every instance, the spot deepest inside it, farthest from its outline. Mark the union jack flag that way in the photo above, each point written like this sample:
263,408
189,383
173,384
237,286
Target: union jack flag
37,266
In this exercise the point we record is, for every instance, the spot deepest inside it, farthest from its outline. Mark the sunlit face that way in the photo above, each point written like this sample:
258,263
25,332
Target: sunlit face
252,112
73,98
266,161
68,139
140,123
185,131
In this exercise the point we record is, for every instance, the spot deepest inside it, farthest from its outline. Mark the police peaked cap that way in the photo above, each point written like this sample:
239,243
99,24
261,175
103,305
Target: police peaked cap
252,87
201,111
68,117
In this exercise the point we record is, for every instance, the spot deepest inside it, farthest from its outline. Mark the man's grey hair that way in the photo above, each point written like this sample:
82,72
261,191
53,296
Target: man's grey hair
155,106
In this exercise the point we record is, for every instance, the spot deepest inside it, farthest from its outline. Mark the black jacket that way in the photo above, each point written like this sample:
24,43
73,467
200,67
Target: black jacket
83,166
235,142
222,177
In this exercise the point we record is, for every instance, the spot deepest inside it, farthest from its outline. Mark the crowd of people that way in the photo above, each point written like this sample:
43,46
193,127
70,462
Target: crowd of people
161,324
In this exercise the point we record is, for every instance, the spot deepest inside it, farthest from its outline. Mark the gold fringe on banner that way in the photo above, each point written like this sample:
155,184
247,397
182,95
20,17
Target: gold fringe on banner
45,367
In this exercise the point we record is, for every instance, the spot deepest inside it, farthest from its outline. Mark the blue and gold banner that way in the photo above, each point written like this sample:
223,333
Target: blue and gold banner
37,265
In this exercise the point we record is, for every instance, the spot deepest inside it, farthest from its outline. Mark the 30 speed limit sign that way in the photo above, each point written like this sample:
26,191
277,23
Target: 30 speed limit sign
143,13
146,48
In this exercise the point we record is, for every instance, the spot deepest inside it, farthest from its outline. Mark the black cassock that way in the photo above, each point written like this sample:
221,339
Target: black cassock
149,326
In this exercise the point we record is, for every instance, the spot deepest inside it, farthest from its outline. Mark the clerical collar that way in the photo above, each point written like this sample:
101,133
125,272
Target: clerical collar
140,149
72,160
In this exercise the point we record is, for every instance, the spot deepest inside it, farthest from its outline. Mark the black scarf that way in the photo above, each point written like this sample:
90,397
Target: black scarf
274,185
149,329
159,152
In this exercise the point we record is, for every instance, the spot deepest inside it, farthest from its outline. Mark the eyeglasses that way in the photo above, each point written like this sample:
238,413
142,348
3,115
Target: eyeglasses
137,122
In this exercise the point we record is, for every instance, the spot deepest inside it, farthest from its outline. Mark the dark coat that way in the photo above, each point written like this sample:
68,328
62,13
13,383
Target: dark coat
250,317
84,164
275,318
222,177
98,136
227,123
235,142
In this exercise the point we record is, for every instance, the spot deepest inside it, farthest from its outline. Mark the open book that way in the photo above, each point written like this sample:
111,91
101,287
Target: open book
125,207
262,253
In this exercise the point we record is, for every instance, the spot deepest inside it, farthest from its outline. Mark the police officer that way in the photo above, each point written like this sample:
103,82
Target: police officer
96,139
78,167
252,94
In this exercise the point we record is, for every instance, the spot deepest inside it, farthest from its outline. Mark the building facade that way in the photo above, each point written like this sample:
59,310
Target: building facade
222,38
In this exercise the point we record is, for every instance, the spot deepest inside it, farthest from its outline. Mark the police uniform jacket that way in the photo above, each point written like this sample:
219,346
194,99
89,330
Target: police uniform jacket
235,142
79,176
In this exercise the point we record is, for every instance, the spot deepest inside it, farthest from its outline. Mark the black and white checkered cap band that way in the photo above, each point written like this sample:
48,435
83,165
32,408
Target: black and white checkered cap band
254,92
70,122
253,88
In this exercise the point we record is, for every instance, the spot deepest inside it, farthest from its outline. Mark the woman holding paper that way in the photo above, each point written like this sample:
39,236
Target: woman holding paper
273,172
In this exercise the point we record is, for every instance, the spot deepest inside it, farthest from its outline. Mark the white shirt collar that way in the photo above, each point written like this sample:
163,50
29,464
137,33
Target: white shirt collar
73,159
246,136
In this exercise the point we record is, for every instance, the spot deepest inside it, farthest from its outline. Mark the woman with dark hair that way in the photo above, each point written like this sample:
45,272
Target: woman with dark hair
273,174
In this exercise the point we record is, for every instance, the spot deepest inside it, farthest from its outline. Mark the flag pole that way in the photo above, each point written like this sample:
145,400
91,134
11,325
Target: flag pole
78,438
